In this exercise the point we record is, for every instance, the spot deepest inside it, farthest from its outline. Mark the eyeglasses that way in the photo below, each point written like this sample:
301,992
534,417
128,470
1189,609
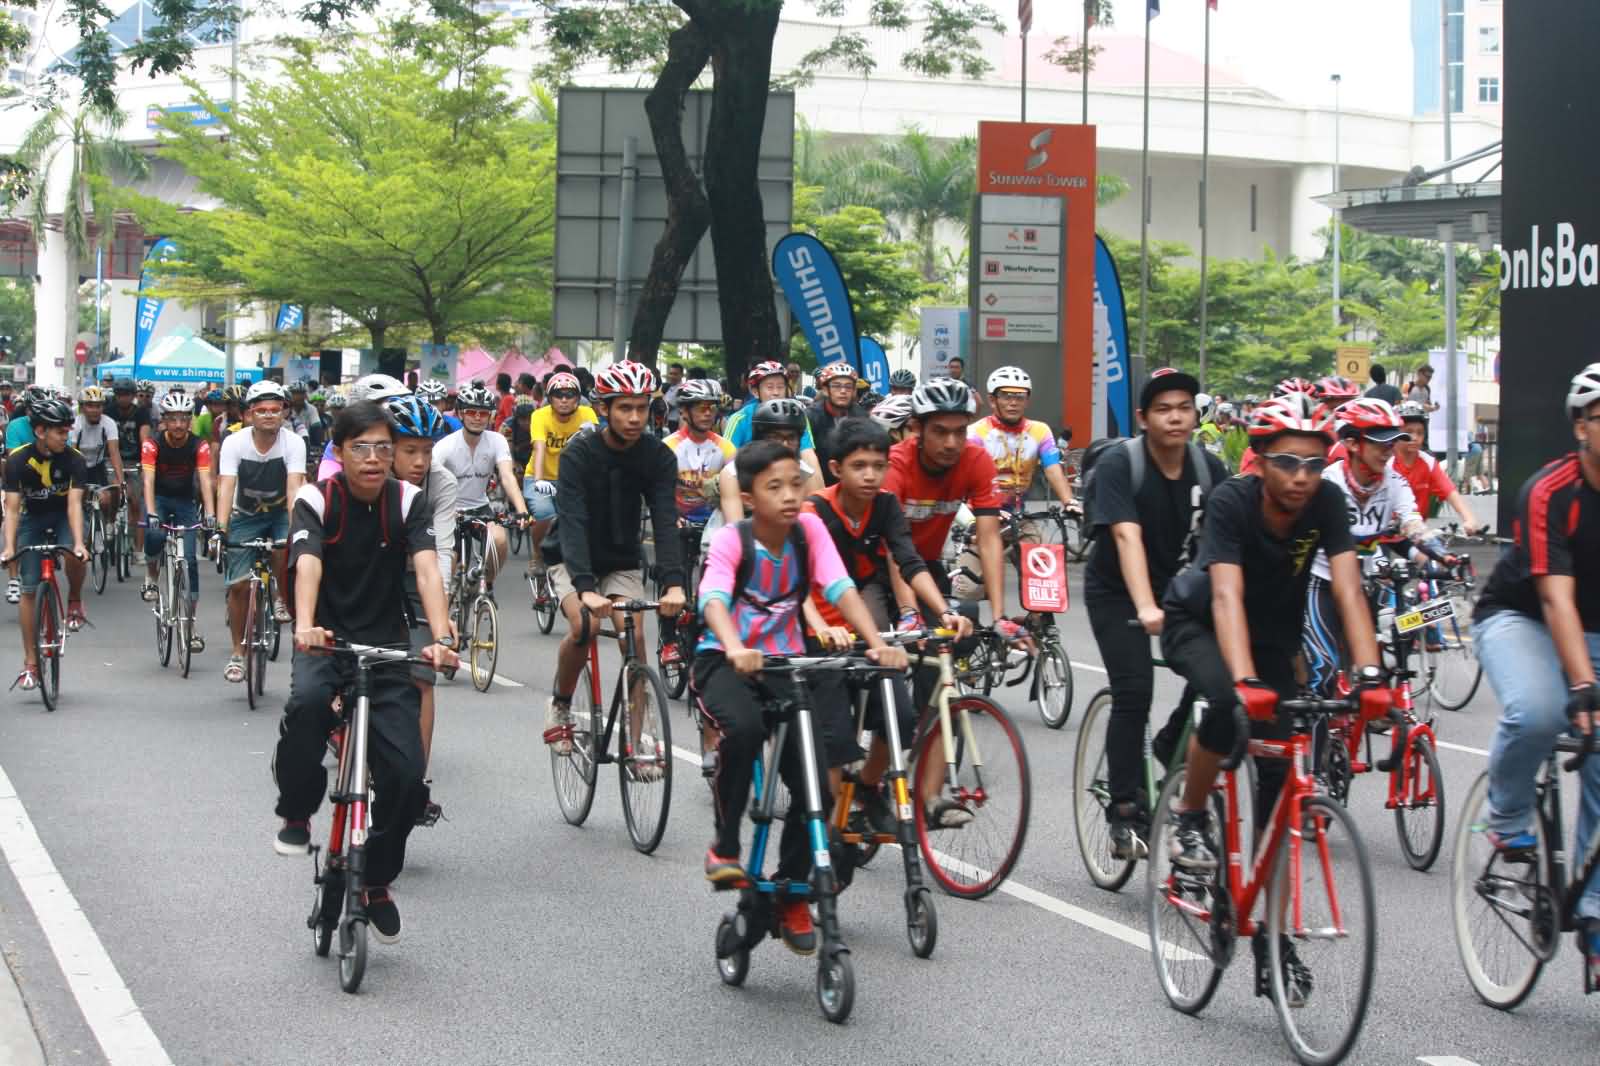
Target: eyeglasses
1007,394
366,449
270,412
1292,464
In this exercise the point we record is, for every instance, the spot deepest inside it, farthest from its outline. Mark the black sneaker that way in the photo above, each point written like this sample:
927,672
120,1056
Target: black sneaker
1190,847
1129,831
1296,977
293,839
947,813
879,814
382,915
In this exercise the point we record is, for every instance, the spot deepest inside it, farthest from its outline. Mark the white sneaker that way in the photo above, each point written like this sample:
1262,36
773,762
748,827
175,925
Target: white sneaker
558,726
14,591
280,611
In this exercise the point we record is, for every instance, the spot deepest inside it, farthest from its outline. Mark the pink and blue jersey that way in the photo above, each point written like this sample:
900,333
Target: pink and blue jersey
778,630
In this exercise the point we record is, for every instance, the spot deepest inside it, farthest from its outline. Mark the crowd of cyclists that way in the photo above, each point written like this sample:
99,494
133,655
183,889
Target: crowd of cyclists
1233,533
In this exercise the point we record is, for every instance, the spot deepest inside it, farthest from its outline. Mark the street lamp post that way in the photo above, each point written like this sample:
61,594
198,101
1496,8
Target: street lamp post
1338,232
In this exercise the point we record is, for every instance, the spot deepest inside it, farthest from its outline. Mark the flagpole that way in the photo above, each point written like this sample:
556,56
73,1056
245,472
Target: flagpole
1205,190
1144,204
1085,61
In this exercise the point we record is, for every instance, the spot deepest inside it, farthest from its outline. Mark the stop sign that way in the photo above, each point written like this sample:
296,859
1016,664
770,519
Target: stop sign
81,350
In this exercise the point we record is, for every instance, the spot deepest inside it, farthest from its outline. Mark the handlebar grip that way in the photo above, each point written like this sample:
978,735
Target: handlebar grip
1577,761
1241,738
583,624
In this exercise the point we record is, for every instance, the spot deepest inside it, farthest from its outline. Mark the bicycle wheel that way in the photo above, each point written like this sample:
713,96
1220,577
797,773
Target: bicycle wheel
670,660
1503,912
1190,918
258,650
47,641
164,613
1328,897
274,627
484,650
1419,818
644,769
544,603
100,552
182,618
252,637
1456,672
352,954
1052,684
975,859
1077,538
1091,795
124,546
574,774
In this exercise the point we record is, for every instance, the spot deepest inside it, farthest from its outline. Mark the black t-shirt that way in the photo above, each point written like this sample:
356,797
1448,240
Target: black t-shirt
176,465
1276,571
1556,532
521,440
1167,509
44,479
362,595
822,422
128,431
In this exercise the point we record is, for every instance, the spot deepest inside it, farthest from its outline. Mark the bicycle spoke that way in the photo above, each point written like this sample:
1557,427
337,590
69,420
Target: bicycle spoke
1500,909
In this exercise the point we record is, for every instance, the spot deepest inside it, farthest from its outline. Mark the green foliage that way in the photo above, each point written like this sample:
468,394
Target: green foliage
16,317
94,156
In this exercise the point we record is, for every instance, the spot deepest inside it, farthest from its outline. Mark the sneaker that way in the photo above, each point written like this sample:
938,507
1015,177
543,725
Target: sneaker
1190,848
558,726
721,871
948,814
1513,845
382,915
280,612
876,809
147,591
294,838
14,591
76,619
795,926
431,813
1129,831
1297,982
671,653
27,680
1591,943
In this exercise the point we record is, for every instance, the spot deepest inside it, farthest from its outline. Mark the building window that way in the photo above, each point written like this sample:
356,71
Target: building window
1488,90
1489,40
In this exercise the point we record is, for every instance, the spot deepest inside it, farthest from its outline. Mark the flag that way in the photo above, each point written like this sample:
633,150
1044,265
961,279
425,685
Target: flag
1091,13
1212,4
1153,10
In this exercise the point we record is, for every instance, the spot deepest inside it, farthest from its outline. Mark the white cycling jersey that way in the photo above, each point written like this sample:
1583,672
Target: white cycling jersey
1390,507
92,440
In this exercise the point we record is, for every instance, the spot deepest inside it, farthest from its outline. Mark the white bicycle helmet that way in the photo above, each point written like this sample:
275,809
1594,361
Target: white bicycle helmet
698,390
840,371
893,412
943,396
626,378
1008,377
1585,390
433,391
176,403
475,397
562,380
378,387
264,390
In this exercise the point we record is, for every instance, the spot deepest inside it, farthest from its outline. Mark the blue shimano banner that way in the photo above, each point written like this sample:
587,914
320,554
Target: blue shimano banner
289,316
818,298
1114,358
874,365
149,307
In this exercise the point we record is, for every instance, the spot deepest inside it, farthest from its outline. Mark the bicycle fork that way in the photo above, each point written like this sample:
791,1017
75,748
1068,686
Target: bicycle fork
900,790
350,802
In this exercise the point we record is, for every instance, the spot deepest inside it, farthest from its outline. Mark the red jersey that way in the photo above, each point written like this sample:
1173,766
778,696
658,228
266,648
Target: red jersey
1427,479
931,501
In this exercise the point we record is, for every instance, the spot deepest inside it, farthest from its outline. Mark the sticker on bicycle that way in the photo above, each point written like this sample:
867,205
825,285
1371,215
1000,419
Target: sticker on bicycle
1437,611
1044,578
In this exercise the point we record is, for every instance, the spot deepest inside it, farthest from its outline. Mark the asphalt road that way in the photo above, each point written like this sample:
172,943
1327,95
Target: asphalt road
527,940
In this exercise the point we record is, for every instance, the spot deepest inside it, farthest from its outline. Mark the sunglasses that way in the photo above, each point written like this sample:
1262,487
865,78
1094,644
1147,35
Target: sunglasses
1292,464
365,449
270,412
564,394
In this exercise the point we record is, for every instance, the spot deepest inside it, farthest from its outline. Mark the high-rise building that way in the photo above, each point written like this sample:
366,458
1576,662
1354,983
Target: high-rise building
17,76
1473,47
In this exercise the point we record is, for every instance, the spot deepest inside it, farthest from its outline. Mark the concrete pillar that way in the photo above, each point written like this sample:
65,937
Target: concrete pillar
255,320
55,305
1306,216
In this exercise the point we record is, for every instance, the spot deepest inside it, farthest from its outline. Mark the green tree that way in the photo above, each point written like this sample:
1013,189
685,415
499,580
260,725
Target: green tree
1077,54
16,318
920,182
397,184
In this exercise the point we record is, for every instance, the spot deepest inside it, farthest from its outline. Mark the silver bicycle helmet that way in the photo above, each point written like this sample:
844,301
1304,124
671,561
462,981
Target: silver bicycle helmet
943,396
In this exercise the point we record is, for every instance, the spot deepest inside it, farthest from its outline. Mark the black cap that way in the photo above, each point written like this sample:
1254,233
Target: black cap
1166,380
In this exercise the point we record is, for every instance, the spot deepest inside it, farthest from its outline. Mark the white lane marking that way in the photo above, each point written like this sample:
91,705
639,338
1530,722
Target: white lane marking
507,682
1089,666
107,1005
1445,1060
1462,747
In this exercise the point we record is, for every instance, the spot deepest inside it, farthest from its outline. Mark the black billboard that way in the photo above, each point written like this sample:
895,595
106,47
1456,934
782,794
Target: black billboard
1550,240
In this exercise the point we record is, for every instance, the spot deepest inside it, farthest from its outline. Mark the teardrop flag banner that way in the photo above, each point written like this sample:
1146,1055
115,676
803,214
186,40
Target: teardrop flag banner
874,365
818,297
149,307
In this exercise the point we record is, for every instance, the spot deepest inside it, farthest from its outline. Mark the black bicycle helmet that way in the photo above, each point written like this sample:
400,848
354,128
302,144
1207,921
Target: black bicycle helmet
50,412
783,415
902,379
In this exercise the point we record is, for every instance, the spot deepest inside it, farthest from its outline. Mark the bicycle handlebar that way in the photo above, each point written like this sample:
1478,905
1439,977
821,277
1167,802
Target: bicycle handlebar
260,544
1577,761
372,651
624,606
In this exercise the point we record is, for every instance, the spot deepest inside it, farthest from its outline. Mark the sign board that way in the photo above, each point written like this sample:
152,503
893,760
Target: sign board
1044,578
944,337
1354,361
1439,421
80,351
592,128
1033,246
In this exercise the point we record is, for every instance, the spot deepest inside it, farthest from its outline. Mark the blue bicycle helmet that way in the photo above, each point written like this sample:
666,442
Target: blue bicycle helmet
415,417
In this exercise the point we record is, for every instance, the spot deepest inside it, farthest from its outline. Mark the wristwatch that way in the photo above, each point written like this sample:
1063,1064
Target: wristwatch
1369,674
446,641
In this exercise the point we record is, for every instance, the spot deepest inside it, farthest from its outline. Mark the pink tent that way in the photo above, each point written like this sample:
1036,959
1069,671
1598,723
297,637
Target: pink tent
475,363
554,359
514,363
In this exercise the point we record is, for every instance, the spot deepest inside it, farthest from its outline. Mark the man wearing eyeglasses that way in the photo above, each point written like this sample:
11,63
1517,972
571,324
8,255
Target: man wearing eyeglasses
1146,508
258,473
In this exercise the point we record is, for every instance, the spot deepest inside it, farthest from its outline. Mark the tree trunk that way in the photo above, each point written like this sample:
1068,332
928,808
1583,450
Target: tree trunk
688,213
379,331
741,57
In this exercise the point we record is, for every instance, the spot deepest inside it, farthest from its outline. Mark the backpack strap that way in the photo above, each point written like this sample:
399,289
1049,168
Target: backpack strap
1138,458
745,571
1202,469
332,493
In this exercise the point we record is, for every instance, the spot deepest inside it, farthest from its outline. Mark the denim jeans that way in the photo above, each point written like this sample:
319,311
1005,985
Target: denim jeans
1520,661
177,512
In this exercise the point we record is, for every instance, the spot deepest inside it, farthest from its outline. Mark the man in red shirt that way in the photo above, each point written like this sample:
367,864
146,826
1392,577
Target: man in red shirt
937,471
1422,471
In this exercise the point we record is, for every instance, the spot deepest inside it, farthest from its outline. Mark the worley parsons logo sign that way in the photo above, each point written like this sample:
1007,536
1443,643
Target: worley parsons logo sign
1550,264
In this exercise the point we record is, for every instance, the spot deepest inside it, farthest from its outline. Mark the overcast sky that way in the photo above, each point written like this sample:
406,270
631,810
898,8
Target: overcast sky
1288,47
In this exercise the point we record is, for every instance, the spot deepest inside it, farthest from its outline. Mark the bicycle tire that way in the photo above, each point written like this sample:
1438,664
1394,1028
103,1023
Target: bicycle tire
48,642
182,622
1187,972
275,641
1419,816
674,673
264,623
1454,671
544,603
251,624
973,868
327,902
1354,935
1091,798
484,650
352,954
645,804
124,547
1054,710
164,612
100,560
574,775
1504,972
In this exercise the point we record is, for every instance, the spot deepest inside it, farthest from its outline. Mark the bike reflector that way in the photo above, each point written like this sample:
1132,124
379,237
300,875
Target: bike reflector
1044,578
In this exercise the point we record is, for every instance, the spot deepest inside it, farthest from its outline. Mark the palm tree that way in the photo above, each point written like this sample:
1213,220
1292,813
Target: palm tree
922,181
96,156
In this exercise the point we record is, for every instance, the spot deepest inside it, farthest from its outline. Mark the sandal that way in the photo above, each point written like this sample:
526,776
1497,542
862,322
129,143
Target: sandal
234,671
76,619
28,680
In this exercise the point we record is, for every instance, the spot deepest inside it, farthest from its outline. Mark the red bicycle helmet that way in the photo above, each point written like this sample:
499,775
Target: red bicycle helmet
1293,387
626,378
1334,389
1287,415
834,371
762,370
562,380
1372,419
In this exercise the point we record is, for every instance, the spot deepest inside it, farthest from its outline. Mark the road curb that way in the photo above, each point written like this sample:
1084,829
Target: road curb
19,1044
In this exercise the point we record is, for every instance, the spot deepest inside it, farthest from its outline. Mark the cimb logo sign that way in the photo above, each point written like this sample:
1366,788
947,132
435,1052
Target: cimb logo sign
1550,266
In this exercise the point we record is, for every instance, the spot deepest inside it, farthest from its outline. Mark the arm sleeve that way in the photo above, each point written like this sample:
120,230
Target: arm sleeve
418,520
572,531
1439,481
722,560
1334,520
663,502
202,456
294,454
1049,450
1549,548
147,454
897,535
1113,488
806,439
538,429
77,469
13,476
827,569
305,525
1224,533
109,425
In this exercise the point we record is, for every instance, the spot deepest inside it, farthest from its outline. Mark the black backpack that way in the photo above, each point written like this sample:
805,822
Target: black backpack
1138,461
747,567
334,493
852,547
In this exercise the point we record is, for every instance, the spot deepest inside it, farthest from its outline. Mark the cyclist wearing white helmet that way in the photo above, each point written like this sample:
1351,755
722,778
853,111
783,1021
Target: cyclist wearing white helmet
836,401
894,415
769,381
1537,632
95,437
258,472
172,462
550,428
474,455
594,552
700,451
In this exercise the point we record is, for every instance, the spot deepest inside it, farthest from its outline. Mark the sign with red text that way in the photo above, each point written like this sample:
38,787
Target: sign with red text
1044,578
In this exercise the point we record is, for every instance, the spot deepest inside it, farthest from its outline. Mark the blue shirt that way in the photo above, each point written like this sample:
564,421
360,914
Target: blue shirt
19,431
739,431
